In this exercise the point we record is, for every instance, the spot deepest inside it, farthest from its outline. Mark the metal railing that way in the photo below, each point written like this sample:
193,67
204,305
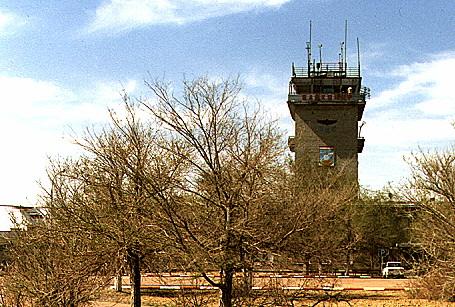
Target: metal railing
329,70
328,97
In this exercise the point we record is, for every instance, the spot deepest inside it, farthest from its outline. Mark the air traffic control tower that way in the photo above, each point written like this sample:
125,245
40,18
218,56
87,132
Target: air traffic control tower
326,102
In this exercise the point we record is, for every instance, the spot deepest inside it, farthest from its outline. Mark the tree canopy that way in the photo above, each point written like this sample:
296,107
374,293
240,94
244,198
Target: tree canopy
197,180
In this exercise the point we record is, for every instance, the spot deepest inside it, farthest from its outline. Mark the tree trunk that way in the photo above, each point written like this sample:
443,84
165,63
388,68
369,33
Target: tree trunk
306,266
227,287
134,262
372,255
118,283
247,280
348,262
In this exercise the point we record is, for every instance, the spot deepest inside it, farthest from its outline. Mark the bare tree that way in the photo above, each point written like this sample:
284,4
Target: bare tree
209,187
316,209
109,194
239,199
48,268
432,188
232,155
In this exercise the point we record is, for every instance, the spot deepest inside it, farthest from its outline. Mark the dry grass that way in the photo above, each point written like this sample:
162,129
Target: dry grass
355,298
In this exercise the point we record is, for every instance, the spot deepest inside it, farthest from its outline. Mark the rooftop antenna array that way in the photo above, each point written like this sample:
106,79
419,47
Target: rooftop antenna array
342,56
308,48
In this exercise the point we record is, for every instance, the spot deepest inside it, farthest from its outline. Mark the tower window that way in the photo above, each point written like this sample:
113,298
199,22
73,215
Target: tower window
327,121
326,156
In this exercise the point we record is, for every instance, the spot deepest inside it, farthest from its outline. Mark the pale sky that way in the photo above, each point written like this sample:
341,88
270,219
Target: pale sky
63,63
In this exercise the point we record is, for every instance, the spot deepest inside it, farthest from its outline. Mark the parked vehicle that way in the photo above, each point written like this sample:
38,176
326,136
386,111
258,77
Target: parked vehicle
393,269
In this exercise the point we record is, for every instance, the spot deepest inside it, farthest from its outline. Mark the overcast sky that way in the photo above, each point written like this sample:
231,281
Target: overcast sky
63,63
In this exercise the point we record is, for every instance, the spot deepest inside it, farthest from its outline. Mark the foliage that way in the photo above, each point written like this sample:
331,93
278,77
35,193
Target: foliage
109,195
233,157
432,188
203,185
382,221
50,269
240,198
103,205
314,215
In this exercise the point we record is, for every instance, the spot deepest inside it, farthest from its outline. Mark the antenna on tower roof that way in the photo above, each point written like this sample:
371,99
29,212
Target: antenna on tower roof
320,55
310,34
358,55
308,48
341,56
345,58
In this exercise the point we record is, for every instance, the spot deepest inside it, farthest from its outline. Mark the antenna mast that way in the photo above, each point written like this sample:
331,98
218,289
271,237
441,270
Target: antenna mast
320,55
310,37
358,55
345,45
341,56
308,48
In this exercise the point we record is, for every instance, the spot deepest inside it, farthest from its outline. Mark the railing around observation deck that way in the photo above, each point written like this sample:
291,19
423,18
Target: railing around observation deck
328,70
362,96
303,98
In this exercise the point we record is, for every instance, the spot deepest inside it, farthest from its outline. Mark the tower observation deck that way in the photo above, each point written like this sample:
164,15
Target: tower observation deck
326,102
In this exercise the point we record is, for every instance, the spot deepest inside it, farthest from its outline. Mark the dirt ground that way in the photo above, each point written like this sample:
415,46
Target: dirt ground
381,297
383,300
283,280
397,298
